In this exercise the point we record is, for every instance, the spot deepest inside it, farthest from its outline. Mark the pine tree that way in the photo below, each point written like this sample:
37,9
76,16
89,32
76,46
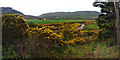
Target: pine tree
107,20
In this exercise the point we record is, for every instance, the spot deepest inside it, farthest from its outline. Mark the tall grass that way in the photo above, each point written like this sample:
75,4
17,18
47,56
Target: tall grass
92,51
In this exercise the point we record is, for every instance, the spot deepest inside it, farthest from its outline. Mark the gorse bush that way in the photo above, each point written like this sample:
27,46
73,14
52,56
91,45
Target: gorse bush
62,33
46,36
14,32
14,27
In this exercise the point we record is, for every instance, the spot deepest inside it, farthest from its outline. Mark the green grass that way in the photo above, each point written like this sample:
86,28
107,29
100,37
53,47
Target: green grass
92,26
50,21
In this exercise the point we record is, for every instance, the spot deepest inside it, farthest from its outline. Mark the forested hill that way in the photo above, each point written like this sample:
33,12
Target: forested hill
71,15
9,10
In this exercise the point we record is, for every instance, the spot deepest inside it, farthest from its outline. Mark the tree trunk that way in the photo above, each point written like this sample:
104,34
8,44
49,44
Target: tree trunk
115,33
118,27
21,47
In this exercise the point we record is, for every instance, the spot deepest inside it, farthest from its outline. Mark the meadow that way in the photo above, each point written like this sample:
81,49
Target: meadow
50,21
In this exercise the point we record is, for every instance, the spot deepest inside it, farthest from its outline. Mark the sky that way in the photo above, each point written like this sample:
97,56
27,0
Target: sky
38,7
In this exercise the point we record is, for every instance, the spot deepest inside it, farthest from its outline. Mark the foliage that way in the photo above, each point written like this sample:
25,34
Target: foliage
14,26
14,32
67,33
10,53
43,35
46,36
107,20
42,40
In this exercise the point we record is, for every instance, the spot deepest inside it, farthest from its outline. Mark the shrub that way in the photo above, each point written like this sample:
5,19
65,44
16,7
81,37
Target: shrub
14,27
46,36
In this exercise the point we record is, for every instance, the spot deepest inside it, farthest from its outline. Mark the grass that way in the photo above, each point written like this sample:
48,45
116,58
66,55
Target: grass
50,21
92,26
91,50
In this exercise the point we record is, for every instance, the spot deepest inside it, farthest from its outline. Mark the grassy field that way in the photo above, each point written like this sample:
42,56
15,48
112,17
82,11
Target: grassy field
50,21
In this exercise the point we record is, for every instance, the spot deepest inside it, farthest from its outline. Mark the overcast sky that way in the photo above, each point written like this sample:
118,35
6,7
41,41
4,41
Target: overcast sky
38,7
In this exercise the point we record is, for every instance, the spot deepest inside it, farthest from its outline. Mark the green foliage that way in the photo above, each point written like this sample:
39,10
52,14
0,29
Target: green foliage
10,53
107,19
56,46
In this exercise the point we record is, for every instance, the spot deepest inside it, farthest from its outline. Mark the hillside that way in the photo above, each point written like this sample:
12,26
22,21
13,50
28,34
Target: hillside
71,15
9,10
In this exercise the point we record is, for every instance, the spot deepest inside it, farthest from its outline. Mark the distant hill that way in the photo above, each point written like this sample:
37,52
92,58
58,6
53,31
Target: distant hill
9,10
71,15
56,15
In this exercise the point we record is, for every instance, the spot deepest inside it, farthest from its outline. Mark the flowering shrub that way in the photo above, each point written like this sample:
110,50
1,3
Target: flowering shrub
46,36
66,32
14,27
77,40
14,32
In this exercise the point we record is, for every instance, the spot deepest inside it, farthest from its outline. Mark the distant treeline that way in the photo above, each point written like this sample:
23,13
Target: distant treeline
70,18
71,15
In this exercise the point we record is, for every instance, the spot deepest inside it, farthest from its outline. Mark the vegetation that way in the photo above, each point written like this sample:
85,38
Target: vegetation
14,31
60,37
14,24
93,26
60,40
78,15
50,21
107,21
